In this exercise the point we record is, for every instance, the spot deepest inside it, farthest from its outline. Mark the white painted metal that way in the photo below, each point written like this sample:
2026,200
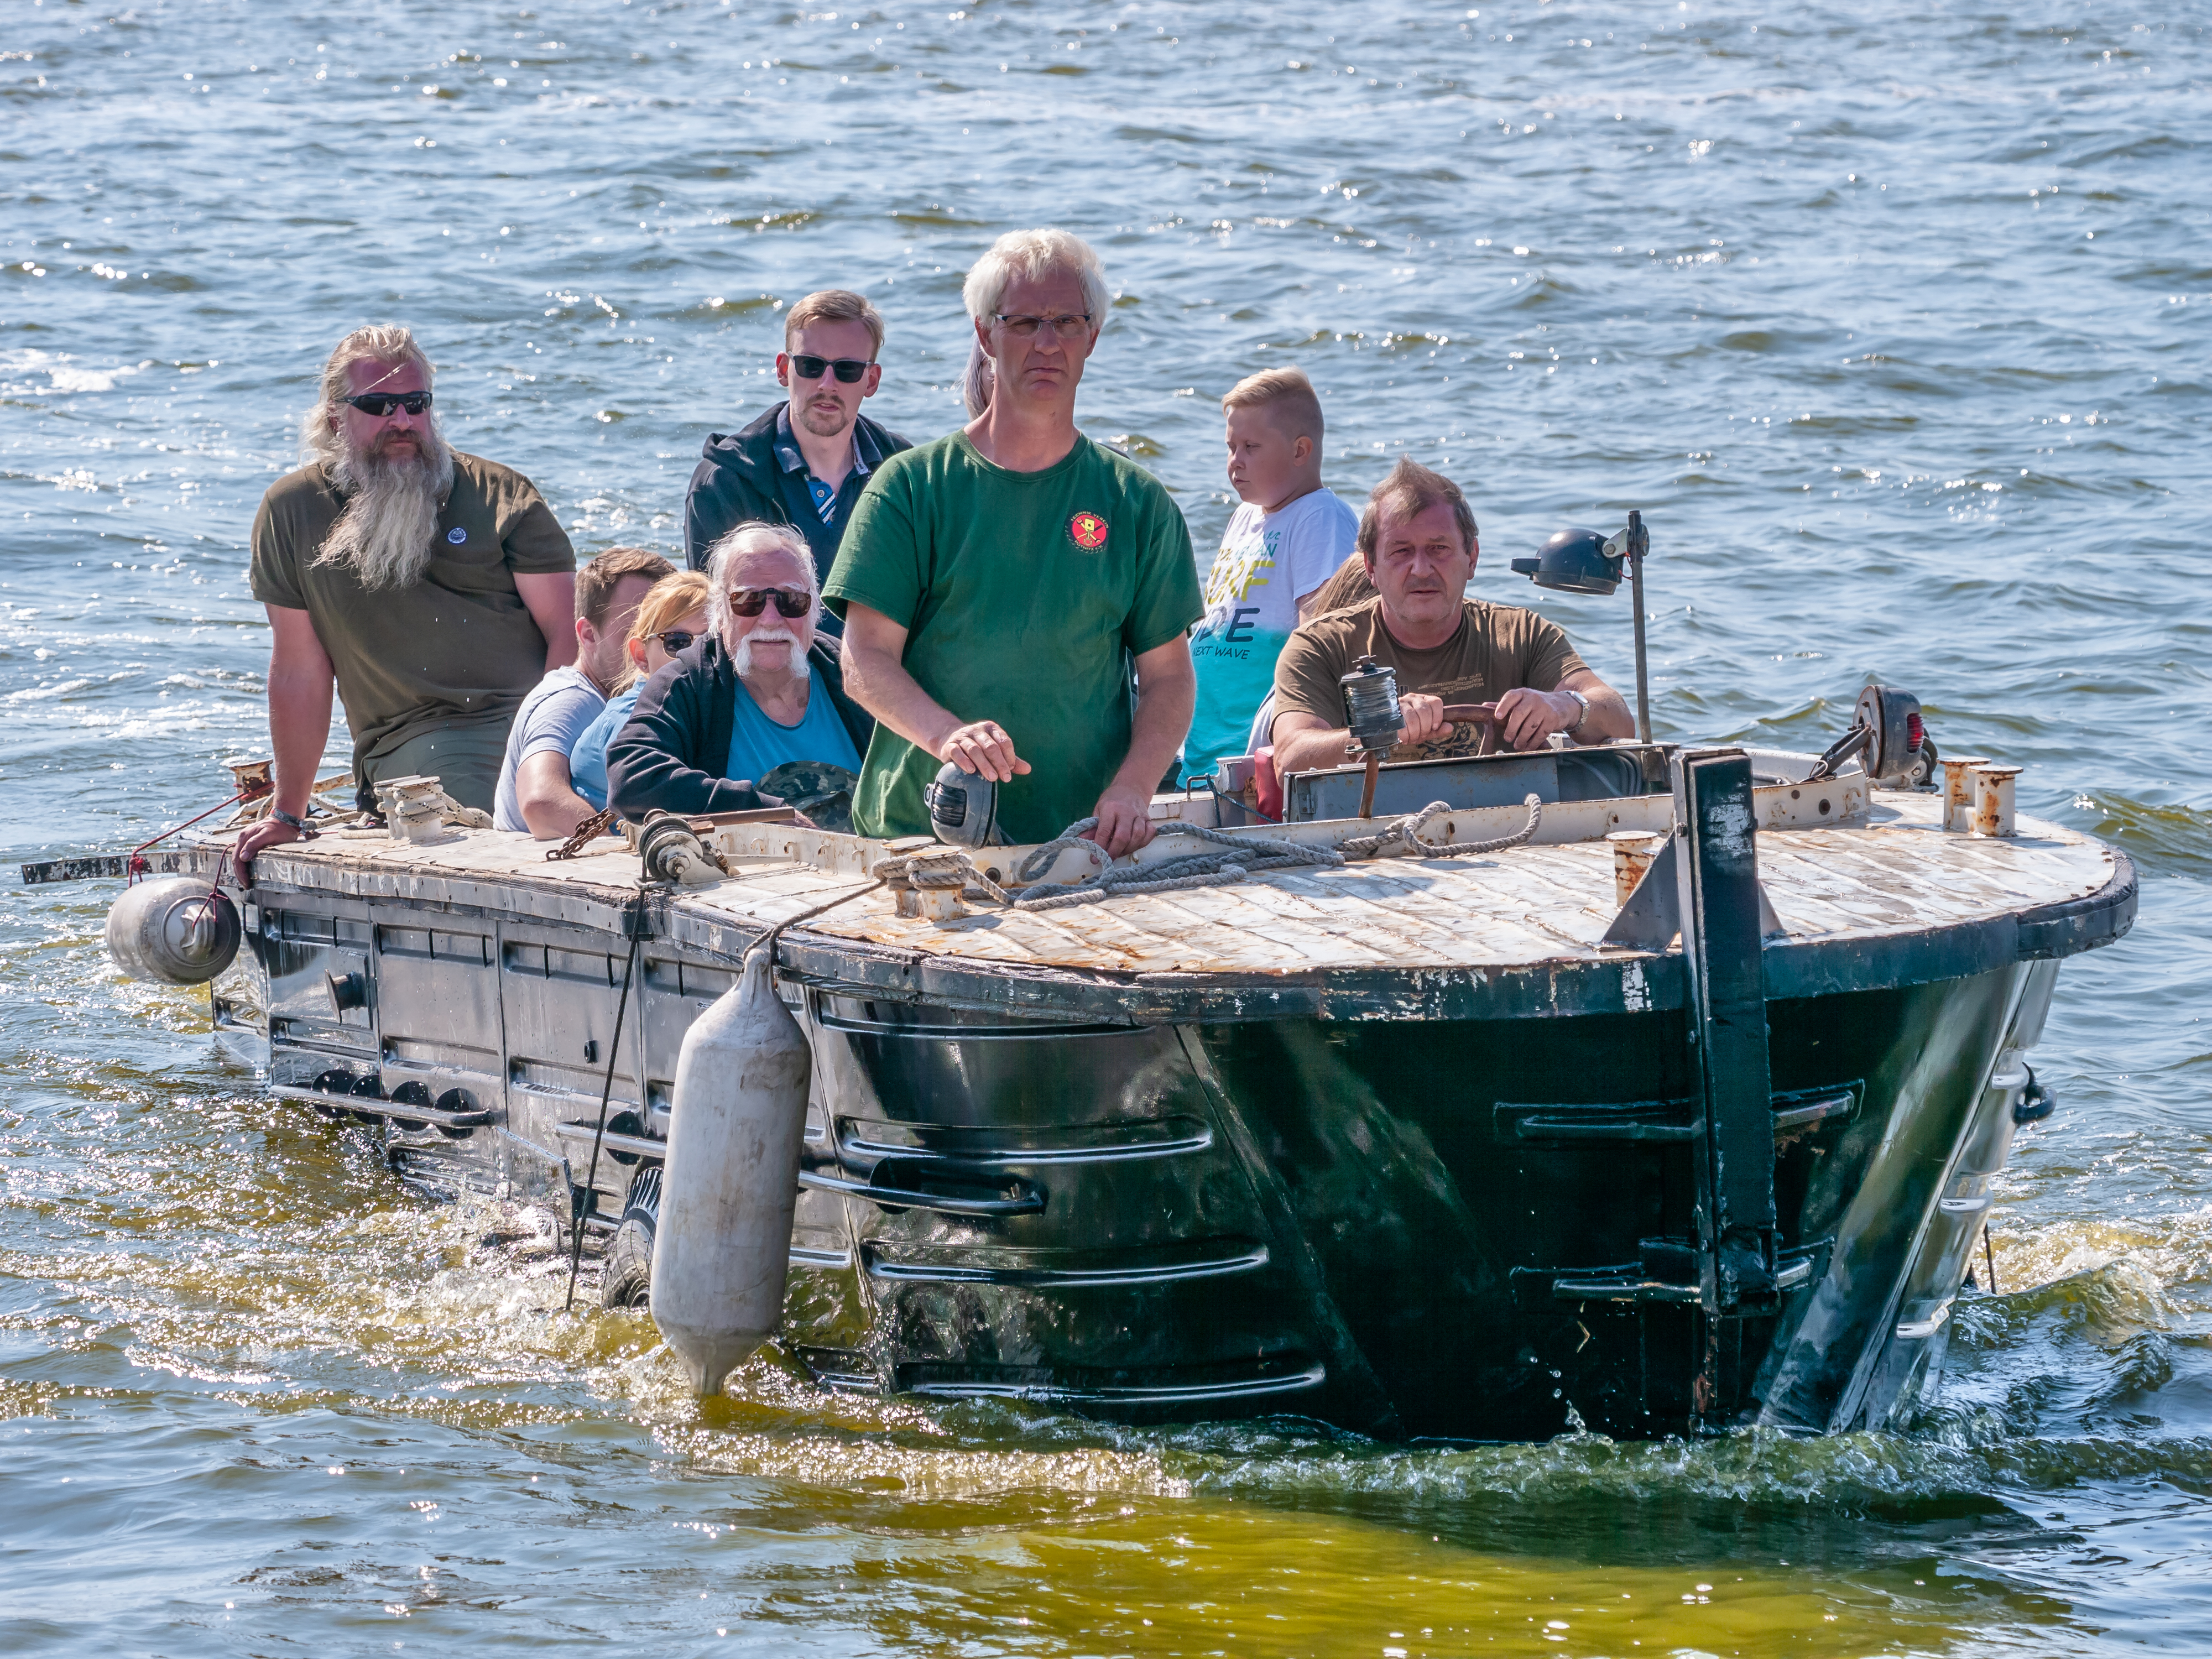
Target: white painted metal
1959,790
722,1244
1993,799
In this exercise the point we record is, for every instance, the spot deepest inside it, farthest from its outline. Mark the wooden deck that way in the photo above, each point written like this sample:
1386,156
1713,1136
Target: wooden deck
1893,872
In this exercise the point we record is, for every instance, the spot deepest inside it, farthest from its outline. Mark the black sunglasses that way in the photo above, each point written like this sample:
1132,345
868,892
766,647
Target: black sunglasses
675,640
381,403
752,601
808,367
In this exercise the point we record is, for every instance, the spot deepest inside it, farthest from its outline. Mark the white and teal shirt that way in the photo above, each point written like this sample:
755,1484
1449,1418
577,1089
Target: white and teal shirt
1268,562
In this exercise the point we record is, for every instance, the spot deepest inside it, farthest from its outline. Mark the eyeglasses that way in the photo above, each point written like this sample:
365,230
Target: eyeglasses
381,403
752,601
808,367
1026,327
675,640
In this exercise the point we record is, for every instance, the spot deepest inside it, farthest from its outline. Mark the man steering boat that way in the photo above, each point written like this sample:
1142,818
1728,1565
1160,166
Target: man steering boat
1419,545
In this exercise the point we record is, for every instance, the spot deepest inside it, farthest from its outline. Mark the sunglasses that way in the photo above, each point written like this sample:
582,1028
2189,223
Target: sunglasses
381,403
808,367
752,601
675,640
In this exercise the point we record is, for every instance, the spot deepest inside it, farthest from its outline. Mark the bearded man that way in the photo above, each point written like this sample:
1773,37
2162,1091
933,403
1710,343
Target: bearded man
755,713
432,588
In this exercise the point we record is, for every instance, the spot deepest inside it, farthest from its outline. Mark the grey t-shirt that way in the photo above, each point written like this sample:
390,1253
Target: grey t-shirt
552,717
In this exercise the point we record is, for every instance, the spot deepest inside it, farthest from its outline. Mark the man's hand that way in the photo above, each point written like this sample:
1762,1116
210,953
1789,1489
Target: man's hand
1124,821
255,836
982,747
1424,716
1526,718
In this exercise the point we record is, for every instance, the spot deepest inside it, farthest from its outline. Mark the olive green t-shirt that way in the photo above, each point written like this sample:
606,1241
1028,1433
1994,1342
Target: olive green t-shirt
1496,648
456,646
1023,596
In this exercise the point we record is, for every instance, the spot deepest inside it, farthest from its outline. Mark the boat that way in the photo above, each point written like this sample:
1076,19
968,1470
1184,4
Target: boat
1675,1111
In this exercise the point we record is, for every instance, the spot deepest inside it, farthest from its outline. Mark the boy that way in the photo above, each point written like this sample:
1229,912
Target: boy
1281,547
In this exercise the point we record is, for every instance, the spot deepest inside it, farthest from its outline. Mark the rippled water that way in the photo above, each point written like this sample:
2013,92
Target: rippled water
1894,326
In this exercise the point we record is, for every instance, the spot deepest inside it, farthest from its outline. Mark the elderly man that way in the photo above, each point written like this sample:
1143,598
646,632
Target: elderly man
762,693
805,461
999,583
536,796
1418,544
434,588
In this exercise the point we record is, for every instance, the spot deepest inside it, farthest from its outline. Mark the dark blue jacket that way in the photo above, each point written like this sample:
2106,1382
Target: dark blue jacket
740,476
671,752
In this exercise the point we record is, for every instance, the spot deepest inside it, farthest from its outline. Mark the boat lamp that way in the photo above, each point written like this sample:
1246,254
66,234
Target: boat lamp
1578,560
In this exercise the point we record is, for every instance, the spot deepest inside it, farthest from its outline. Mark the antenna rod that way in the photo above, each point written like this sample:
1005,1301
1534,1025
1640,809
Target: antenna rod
1639,539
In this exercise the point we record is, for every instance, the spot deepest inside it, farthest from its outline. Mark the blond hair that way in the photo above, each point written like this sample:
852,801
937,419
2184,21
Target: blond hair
1287,396
1034,254
380,343
835,304
671,600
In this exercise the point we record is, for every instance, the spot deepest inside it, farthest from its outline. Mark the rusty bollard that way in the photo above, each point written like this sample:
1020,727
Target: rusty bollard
1633,853
1993,799
1959,790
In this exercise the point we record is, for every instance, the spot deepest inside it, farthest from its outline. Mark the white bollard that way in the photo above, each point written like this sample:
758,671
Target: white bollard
1959,791
1993,799
722,1244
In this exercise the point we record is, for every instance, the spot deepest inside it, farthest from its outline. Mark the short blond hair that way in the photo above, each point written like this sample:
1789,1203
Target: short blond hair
1287,396
672,598
835,304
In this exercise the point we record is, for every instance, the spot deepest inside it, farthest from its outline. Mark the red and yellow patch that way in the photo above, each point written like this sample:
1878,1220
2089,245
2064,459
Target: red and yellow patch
1087,530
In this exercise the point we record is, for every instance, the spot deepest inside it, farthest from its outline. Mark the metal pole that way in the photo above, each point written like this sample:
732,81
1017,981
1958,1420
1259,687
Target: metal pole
1642,672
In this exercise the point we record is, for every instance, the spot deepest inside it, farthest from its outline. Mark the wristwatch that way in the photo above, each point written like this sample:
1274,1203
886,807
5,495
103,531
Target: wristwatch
307,832
1581,703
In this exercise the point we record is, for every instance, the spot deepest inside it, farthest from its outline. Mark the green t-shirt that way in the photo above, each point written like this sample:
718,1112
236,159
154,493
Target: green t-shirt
455,647
1023,596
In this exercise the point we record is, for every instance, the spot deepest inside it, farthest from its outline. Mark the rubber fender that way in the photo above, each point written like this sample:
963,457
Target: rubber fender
177,931
722,1249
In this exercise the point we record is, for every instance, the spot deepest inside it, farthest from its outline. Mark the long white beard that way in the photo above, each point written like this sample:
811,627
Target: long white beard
387,531
741,658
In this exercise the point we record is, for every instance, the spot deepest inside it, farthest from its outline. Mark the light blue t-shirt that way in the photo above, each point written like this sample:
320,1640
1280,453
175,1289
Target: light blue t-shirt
1268,561
759,746
587,760
558,707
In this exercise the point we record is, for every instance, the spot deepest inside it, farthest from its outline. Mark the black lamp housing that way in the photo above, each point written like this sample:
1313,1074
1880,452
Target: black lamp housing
1575,562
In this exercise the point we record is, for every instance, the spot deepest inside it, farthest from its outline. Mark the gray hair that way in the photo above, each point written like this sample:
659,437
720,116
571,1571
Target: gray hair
380,343
977,383
754,535
1034,254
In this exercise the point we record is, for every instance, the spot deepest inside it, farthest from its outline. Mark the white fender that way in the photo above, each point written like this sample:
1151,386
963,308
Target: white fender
722,1244
175,932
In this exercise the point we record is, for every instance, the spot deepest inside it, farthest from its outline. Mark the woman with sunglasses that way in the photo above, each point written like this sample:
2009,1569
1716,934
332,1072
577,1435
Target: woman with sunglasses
753,713
673,614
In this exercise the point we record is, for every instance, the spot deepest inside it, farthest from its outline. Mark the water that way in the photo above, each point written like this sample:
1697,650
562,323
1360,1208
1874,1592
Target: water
1894,326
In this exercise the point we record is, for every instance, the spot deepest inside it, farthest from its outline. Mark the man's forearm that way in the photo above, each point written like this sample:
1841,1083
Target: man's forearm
1310,750
879,683
299,729
1160,722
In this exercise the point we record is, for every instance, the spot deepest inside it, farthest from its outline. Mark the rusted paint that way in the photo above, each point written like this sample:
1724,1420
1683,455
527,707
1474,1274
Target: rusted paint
1993,800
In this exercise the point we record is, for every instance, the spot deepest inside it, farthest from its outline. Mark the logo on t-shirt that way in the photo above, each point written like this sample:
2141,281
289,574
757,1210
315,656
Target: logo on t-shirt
457,535
1087,530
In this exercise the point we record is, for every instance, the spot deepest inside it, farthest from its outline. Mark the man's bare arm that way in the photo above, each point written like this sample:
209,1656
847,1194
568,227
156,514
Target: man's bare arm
549,801
1167,691
1303,743
876,678
300,682
1527,718
551,599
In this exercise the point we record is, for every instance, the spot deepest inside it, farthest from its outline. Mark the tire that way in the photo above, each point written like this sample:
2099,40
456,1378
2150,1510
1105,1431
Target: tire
627,1281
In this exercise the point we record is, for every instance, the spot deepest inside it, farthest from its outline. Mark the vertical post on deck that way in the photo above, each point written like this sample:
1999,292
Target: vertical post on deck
1718,872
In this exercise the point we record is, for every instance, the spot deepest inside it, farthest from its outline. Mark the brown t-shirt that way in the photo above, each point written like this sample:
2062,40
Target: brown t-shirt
1497,648
456,646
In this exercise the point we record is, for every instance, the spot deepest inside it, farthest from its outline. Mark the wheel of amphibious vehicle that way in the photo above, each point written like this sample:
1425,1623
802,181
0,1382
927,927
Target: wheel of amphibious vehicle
627,1281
